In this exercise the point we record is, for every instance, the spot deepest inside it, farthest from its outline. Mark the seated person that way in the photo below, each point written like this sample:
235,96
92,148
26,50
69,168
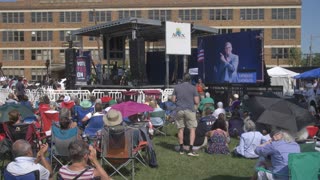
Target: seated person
249,140
206,102
12,99
234,103
219,109
235,125
169,106
218,138
156,121
278,148
25,102
25,162
204,125
65,121
84,160
95,120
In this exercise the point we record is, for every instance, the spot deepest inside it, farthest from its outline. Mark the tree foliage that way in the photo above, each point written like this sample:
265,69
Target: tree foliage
295,58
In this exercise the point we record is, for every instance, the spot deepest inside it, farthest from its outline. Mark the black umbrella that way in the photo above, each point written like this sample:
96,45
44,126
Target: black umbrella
280,113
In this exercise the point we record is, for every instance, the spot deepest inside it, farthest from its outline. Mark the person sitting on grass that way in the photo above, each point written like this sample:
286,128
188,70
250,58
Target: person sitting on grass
85,164
278,149
248,141
204,125
235,125
218,138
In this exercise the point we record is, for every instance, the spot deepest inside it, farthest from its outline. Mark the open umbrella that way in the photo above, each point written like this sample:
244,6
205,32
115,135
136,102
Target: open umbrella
130,108
280,113
5,109
312,74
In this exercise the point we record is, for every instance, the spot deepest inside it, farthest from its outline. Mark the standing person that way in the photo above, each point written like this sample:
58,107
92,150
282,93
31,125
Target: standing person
186,97
228,65
200,88
20,89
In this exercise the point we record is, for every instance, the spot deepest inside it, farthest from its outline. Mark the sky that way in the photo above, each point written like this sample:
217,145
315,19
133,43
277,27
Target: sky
310,25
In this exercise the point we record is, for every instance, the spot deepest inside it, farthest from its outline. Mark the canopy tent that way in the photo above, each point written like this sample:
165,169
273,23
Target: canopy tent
312,74
283,77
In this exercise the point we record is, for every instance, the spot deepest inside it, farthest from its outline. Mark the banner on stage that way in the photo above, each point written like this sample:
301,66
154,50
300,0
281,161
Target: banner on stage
178,38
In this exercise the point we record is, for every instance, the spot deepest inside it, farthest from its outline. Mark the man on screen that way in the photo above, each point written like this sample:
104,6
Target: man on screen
228,65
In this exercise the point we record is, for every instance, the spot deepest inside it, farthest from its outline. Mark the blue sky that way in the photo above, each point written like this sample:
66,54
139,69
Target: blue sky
310,25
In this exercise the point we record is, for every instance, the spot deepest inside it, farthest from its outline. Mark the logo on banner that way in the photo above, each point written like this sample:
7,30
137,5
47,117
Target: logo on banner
178,34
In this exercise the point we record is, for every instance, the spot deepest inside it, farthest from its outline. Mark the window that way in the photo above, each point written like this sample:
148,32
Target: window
251,14
41,54
43,17
220,14
41,35
12,36
283,13
161,15
194,14
62,55
64,37
95,53
280,53
11,73
127,14
101,16
283,33
17,17
37,74
12,55
72,17
225,31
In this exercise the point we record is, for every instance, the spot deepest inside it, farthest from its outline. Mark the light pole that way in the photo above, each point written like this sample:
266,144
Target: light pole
310,47
47,64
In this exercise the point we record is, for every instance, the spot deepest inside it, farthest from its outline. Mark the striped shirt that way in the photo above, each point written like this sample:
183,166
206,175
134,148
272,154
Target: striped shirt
68,174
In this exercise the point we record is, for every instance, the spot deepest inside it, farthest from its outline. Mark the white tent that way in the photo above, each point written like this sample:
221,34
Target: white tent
283,77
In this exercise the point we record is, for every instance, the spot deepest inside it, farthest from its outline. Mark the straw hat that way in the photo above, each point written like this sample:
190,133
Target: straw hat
85,104
112,118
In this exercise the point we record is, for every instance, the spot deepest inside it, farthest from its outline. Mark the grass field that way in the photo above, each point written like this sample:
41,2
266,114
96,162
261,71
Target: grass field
172,165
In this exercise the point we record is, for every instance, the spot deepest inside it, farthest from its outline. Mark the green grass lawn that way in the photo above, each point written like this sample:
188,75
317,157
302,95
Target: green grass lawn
172,165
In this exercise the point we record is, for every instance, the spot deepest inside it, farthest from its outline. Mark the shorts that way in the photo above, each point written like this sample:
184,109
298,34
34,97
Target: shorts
186,118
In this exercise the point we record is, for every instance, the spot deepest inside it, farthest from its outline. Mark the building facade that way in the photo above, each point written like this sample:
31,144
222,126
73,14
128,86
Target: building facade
34,31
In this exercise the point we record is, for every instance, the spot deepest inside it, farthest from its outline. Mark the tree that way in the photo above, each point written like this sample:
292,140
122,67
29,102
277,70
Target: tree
295,59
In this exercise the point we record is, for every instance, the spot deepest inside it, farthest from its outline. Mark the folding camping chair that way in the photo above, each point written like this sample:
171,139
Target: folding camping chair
119,148
94,125
60,141
304,165
34,175
158,127
48,118
79,115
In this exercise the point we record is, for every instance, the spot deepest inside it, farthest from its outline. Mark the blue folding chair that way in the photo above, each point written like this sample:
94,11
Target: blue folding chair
34,175
95,124
80,113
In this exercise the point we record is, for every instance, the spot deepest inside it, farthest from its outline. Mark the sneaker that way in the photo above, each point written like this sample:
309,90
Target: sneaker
192,153
181,151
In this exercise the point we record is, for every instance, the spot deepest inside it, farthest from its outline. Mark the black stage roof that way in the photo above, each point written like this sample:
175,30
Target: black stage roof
150,30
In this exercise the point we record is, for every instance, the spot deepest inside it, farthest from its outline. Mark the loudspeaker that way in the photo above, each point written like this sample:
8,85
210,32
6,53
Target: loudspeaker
70,69
116,47
137,59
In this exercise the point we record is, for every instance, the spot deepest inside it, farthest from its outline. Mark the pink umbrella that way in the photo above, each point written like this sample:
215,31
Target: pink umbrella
130,108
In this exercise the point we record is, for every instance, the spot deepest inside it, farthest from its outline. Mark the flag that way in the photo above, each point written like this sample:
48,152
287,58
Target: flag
200,53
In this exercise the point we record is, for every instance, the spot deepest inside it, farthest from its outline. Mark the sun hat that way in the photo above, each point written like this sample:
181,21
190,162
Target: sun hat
85,104
66,99
236,96
112,118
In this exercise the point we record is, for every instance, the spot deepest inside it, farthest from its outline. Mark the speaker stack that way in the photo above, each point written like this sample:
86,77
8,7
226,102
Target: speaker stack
70,62
137,59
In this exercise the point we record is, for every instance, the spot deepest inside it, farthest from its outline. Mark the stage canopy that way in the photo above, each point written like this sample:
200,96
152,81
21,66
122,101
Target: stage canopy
150,30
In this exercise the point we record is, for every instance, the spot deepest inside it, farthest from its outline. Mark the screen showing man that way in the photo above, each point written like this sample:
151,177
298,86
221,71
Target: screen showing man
228,65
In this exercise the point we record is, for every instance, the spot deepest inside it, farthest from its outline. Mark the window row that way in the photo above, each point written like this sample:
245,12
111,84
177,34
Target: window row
280,53
18,36
186,14
11,73
284,33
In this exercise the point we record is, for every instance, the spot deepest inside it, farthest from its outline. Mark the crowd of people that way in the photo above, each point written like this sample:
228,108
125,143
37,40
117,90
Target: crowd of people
201,122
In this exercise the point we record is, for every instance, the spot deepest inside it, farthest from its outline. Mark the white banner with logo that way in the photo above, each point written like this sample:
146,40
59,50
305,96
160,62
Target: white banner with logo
178,38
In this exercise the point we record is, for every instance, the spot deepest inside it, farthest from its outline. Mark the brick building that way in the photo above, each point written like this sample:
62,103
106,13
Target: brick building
34,31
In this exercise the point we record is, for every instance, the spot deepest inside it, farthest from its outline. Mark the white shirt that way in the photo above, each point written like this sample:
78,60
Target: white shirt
90,115
248,143
218,111
25,165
